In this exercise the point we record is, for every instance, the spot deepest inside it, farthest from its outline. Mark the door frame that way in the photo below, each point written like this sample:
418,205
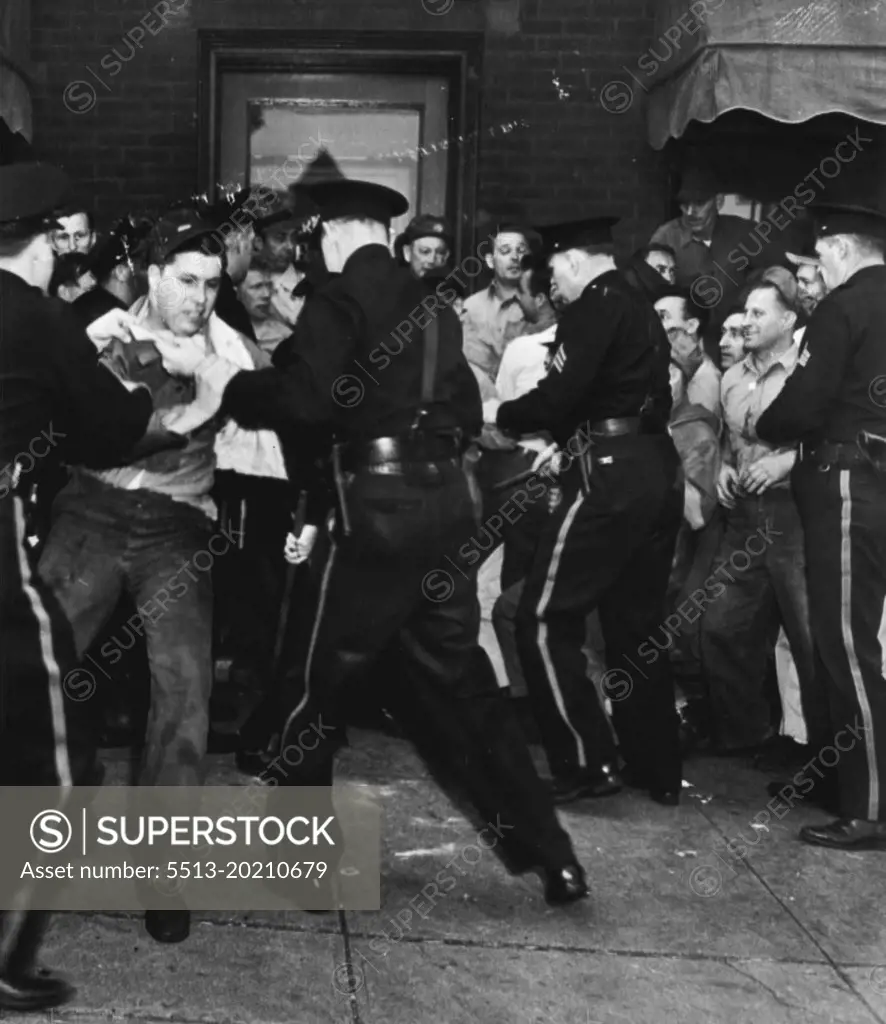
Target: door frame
456,56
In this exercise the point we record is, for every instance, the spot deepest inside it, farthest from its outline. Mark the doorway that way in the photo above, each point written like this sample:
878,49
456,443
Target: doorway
400,111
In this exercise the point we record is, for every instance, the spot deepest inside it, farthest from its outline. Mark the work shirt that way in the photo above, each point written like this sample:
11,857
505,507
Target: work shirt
703,388
56,400
490,321
748,390
839,385
611,360
354,361
187,474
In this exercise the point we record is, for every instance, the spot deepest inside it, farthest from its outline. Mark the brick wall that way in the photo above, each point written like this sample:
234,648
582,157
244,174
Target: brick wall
136,146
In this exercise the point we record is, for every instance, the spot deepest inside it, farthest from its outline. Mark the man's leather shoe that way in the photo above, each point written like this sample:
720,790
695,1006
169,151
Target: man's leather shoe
847,834
40,990
604,781
566,886
823,794
168,925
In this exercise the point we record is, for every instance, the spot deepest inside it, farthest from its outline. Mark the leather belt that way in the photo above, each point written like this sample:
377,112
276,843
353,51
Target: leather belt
394,454
842,454
616,426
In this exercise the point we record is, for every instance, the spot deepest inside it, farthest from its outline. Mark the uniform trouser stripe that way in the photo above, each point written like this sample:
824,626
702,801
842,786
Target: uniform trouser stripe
881,639
315,632
849,644
542,640
53,676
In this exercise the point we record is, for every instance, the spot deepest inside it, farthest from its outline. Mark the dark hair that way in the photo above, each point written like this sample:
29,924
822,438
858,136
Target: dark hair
72,211
735,308
767,285
202,244
648,250
538,268
267,264
68,270
691,309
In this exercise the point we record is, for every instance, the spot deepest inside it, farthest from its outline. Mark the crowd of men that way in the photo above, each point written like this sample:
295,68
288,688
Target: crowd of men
652,493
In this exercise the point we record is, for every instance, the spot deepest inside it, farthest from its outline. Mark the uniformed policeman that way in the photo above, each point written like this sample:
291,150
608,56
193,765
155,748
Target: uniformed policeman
834,404
56,402
610,543
378,357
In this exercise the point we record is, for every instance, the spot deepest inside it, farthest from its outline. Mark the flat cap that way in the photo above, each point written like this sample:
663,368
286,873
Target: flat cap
784,281
426,225
576,234
697,185
848,219
179,227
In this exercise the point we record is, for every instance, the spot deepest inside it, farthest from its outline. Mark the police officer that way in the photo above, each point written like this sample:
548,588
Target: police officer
833,404
610,543
56,402
379,358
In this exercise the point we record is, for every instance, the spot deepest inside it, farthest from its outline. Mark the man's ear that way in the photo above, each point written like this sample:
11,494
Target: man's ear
721,199
122,272
694,325
154,275
790,319
407,251
489,261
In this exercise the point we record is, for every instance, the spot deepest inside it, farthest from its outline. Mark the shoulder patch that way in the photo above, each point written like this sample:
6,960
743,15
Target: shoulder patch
559,360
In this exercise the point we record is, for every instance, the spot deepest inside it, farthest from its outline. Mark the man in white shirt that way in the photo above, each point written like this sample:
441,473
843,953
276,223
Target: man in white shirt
759,572
523,364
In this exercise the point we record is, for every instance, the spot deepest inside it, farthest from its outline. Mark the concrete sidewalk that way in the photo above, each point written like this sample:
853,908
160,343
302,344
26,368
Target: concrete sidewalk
674,931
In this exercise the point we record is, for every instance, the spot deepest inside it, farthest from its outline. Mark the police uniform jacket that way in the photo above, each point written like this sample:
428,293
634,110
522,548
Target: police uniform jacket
611,360
95,303
354,361
838,387
53,392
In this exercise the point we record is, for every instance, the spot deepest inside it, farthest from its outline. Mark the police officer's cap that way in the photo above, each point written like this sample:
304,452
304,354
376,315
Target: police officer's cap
363,200
579,234
848,219
177,229
806,257
29,190
336,196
